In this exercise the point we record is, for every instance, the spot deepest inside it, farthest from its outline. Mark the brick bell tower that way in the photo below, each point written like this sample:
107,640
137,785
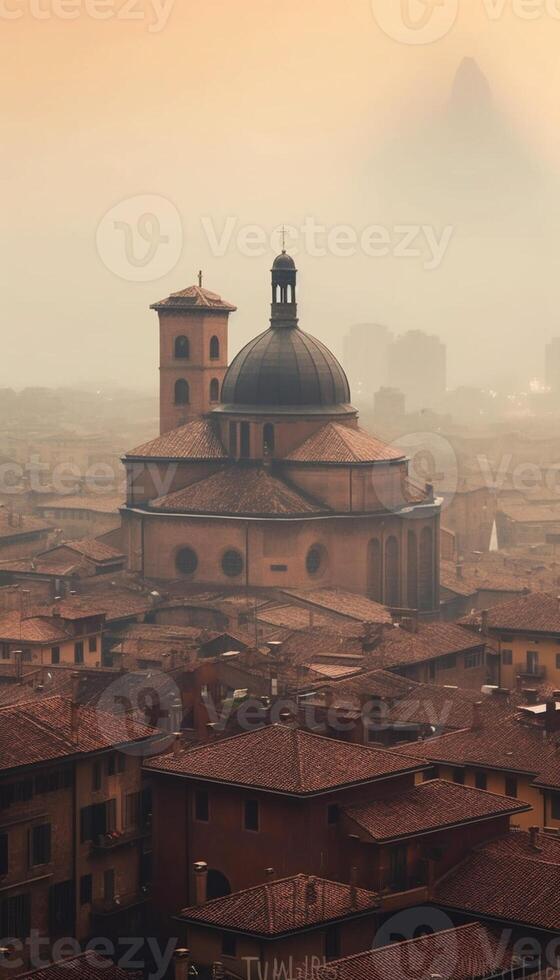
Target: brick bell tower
193,353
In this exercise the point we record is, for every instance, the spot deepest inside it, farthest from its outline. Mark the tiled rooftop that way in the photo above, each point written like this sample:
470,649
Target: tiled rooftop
194,297
241,490
427,807
538,612
284,906
343,444
195,440
342,603
284,760
493,882
41,731
91,548
12,525
499,741
469,952
95,502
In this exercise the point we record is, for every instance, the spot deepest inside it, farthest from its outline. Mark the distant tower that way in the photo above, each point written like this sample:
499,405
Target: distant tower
284,301
193,353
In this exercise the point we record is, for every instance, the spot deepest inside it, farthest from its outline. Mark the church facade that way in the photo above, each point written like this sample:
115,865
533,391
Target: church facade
262,476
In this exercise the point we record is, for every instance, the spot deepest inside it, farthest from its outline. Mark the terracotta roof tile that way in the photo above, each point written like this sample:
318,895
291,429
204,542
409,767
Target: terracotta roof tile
399,646
33,629
343,444
490,883
429,806
538,612
342,603
501,742
469,952
91,548
239,490
195,440
193,297
96,503
41,731
284,760
284,906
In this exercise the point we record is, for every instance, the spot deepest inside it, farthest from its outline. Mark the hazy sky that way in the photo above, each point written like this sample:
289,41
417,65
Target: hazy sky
268,112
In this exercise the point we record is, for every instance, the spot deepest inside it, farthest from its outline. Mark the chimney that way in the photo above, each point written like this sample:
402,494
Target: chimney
531,695
176,744
200,882
459,570
534,838
218,972
484,622
551,718
476,716
181,963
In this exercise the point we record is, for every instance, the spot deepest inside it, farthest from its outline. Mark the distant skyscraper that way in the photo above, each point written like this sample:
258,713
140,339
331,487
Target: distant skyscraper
552,364
418,367
366,348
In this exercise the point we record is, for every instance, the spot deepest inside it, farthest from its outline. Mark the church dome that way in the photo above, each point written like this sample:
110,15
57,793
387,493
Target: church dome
285,368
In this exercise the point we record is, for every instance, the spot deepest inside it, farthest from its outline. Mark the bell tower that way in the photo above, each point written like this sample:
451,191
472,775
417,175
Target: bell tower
284,306
193,353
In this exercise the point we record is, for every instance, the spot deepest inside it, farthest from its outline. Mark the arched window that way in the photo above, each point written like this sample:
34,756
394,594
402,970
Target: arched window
182,394
375,571
426,570
182,348
392,589
268,439
214,349
186,561
316,560
412,571
214,390
232,563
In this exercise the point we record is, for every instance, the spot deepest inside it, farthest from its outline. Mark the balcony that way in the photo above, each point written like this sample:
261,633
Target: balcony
535,672
121,903
118,838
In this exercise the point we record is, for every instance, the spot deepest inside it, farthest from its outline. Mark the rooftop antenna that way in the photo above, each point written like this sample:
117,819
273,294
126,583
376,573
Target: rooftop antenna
200,278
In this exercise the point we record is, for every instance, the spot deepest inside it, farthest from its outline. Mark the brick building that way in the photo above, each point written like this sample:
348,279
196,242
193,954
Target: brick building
72,821
271,482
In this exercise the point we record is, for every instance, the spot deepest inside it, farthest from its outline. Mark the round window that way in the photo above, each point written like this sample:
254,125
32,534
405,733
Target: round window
315,559
187,561
232,563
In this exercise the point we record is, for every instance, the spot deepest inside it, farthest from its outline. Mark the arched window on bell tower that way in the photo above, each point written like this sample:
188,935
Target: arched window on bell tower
214,349
214,390
182,348
182,393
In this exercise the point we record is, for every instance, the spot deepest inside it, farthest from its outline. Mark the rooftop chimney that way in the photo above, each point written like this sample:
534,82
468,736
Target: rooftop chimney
484,621
181,963
75,704
459,570
176,744
201,882
531,695
551,718
534,838
476,716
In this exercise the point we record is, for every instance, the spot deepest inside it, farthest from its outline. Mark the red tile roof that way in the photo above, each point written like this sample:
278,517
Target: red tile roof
284,760
88,966
41,731
500,742
341,603
33,629
343,444
469,952
284,906
91,548
195,440
96,503
537,612
510,887
241,490
428,807
193,297
401,647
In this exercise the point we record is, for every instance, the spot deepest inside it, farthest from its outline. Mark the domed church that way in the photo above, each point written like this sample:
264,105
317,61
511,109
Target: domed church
262,476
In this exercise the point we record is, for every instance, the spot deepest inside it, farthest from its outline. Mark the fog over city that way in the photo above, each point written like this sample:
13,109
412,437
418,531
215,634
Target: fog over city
135,130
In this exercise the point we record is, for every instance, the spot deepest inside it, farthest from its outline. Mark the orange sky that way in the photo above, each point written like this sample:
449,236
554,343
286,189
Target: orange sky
254,108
